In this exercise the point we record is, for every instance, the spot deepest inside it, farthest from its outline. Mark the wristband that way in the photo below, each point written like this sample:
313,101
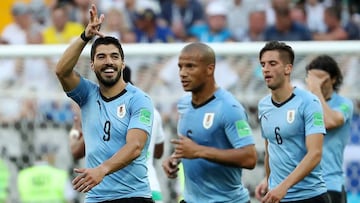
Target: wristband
74,133
84,38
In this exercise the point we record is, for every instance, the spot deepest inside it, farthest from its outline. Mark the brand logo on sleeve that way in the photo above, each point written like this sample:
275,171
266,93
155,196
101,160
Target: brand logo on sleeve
121,111
208,120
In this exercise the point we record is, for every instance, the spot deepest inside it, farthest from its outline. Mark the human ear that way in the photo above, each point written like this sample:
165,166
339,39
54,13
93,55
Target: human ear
92,65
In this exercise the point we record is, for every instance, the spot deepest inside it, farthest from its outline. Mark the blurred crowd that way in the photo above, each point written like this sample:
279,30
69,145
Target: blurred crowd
148,21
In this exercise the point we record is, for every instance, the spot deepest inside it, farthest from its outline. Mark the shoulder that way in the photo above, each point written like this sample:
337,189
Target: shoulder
304,94
306,99
135,91
228,104
226,97
342,98
344,102
265,100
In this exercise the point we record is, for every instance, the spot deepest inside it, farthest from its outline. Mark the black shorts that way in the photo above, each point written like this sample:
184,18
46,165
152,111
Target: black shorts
323,198
183,201
131,200
337,197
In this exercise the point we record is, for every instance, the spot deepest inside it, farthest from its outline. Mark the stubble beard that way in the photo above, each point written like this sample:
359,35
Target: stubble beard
108,82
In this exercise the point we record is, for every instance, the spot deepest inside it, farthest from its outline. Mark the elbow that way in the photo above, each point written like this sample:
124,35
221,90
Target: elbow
251,163
62,72
77,151
59,72
137,150
251,160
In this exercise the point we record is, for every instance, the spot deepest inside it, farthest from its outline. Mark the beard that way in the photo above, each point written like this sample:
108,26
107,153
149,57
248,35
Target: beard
108,82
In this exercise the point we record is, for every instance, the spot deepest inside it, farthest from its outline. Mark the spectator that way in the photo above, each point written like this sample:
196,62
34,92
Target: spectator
41,12
335,29
61,30
181,15
285,29
315,16
272,6
115,24
23,30
257,26
298,14
215,29
79,11
147,29
42,182
238,16
32,74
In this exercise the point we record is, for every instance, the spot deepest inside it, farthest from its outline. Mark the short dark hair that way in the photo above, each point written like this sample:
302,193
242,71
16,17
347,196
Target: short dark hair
286,52
127,74
329,65
106,41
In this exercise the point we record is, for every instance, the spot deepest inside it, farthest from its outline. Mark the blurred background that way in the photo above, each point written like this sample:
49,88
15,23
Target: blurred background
34,111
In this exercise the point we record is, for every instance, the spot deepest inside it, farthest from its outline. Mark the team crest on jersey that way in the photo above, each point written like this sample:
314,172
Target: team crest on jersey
208,120
121,111
290,116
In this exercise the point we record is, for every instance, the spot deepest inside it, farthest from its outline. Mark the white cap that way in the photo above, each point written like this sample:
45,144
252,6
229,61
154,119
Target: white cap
216,8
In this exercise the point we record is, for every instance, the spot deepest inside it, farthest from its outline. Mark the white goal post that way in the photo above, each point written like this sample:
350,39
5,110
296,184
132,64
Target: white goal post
235,48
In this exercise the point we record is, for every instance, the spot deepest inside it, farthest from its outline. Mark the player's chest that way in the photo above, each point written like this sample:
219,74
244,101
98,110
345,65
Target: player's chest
288,122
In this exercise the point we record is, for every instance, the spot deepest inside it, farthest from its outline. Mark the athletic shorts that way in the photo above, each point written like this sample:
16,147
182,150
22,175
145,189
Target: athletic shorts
131,200
323,198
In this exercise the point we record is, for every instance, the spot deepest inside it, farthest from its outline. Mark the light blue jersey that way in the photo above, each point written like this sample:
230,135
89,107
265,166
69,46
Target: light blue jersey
285,127
334,144
221,123
105,123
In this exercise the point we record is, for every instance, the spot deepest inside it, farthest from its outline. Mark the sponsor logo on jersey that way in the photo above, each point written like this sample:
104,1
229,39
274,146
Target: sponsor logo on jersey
243,128
208,120
318,119
121,111
145,116
290,117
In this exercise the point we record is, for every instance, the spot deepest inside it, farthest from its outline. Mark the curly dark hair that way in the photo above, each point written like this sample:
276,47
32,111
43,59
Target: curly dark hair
329,65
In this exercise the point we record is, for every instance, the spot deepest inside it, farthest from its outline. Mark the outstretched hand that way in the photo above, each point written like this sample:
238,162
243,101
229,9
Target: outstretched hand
94,25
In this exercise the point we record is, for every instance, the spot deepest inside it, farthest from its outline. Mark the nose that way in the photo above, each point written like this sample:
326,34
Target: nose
109,60
182,72
265,67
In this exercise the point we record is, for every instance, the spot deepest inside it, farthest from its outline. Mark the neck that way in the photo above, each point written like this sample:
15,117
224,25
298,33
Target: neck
203,95
282,94
114,90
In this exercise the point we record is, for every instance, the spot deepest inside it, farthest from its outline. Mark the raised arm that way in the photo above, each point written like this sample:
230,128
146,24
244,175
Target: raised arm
68,78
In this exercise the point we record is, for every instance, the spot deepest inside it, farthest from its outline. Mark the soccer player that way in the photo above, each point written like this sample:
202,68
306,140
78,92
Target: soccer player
215,141
292,125
116,120
155,150
324,79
